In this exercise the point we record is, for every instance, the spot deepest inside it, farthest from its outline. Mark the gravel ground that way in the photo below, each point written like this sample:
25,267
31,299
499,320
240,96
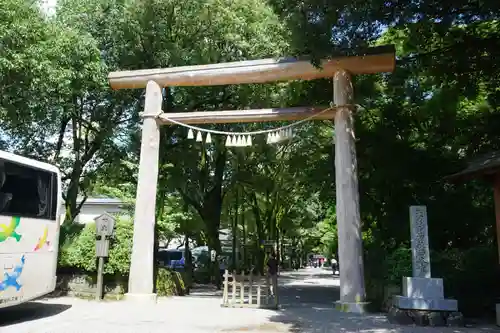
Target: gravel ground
307,308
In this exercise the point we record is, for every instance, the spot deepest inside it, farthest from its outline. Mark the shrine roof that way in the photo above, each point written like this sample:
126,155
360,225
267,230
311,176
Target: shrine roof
484,165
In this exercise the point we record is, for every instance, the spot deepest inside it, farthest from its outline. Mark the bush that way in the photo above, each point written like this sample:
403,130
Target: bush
77,255
383,269
170,283
398,265
471,276
78,249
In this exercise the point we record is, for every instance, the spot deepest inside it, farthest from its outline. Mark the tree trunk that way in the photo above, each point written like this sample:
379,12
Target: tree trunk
260,247
156,266
188,265
235,230
260,234
71,198
244,238
211,217
278,248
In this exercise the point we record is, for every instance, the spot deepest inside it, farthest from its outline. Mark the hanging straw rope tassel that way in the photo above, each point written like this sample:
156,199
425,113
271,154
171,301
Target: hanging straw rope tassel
244,139
199,138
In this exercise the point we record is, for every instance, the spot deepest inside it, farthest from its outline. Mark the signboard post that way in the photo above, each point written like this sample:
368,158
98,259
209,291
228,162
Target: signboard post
105,225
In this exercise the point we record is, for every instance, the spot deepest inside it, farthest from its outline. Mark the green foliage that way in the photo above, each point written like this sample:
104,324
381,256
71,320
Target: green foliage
471,277
78,251
328,235
398,264
170,283
68,232
174,218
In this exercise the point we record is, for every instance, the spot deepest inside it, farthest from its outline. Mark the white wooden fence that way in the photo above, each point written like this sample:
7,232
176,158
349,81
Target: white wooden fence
250,291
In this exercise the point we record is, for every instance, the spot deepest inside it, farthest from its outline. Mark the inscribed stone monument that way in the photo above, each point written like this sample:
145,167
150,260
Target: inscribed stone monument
421,261
421,292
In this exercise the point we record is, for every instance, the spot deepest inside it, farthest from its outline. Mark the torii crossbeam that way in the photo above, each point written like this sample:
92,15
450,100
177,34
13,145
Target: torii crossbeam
340,68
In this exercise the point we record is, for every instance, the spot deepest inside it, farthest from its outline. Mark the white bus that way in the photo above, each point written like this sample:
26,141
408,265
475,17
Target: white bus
30,200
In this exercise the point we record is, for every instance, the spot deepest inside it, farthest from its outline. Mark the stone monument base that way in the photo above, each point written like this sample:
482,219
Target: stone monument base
425,304
425,318
357,307
424,294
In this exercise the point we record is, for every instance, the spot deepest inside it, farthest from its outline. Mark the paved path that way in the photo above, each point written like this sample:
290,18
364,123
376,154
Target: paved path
308,286
307,297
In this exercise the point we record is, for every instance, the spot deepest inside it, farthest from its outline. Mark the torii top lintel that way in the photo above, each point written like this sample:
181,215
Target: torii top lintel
367,61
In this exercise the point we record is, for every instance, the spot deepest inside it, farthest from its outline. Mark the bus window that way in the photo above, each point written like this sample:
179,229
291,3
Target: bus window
27,192
54,186
4,197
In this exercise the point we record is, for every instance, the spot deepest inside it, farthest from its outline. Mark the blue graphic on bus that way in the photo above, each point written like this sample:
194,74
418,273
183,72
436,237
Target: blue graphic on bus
10,280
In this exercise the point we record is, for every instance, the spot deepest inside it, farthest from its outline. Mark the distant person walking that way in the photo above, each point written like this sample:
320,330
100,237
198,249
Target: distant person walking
335,266
272,271
296,264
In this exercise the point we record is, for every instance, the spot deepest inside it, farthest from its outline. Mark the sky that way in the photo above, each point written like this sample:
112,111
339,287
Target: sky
48,6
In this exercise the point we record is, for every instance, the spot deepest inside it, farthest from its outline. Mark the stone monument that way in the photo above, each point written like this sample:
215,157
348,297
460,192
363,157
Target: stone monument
421,292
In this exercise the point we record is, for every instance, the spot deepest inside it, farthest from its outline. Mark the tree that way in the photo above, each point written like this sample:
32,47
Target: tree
239,30
72,119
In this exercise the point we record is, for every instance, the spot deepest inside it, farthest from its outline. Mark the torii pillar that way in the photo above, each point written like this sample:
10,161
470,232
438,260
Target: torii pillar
369,61
352,282
140,281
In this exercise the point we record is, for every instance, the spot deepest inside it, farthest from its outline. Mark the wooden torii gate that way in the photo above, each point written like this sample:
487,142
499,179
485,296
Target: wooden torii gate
340,68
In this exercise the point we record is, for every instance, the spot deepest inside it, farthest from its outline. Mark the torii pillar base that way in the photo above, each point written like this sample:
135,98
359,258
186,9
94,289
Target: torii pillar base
359,307
141,298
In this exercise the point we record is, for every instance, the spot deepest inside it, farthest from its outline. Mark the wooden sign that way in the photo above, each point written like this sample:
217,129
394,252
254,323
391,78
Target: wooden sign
104,224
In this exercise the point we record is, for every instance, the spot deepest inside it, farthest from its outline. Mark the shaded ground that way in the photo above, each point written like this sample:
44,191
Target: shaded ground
307,300
30,311
307,297
308,286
